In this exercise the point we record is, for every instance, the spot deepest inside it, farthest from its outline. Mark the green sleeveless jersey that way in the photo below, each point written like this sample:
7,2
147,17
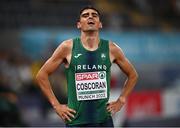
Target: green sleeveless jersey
88,80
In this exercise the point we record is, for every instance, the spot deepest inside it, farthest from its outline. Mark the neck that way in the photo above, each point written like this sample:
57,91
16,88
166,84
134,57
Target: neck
90,40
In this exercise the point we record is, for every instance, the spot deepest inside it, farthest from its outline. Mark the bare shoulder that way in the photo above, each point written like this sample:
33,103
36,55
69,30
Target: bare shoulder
67,44
64,49
115,51
114,47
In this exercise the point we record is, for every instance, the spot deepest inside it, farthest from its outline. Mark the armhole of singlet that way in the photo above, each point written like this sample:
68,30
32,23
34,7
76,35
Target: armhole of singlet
108,43
72,53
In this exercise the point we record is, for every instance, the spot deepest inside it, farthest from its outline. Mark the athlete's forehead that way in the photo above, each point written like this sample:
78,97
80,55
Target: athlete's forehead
86,10
89,11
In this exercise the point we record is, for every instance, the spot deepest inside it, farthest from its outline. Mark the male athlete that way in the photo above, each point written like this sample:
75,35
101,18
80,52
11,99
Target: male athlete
87,61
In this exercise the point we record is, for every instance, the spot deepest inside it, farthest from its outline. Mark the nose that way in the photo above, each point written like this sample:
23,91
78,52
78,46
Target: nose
90,16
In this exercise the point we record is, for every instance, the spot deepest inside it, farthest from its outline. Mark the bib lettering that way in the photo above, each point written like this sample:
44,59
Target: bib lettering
91,85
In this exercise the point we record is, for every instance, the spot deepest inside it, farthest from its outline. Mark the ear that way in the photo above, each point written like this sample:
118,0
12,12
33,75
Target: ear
100,25
78,25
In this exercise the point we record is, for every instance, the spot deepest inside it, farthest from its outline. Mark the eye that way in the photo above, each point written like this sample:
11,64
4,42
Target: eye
95,15
85,15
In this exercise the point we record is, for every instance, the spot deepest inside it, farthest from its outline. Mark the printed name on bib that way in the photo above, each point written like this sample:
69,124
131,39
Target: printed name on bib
91,85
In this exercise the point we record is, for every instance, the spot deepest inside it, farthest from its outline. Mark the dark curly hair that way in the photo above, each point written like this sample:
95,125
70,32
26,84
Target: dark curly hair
88,7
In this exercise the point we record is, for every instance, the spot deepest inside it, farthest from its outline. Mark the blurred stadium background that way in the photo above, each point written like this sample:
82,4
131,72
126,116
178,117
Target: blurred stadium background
148,31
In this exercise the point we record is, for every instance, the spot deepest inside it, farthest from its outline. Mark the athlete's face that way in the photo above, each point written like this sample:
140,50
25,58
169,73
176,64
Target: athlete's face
89,21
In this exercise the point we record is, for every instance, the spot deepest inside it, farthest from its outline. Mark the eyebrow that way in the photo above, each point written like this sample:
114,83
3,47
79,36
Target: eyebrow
88,13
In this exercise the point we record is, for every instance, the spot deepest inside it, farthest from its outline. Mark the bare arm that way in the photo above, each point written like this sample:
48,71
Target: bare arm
118,57
60,55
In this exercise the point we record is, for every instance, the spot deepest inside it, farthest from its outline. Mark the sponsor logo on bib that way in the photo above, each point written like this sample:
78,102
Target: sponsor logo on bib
91,85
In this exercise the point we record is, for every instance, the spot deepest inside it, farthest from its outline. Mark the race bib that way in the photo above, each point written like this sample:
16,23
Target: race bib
91,85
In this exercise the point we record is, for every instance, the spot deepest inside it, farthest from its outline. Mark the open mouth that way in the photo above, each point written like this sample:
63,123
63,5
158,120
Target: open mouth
91,23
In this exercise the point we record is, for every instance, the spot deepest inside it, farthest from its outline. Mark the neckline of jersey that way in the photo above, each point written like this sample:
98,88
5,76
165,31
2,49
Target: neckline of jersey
97,49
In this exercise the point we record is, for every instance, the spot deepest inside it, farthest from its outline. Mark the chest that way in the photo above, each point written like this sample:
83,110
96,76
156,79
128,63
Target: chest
89,58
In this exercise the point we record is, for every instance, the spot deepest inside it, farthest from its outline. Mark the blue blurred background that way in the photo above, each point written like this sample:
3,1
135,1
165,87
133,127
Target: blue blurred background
148,31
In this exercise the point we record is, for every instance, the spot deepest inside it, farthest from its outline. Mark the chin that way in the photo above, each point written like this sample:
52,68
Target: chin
91,29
